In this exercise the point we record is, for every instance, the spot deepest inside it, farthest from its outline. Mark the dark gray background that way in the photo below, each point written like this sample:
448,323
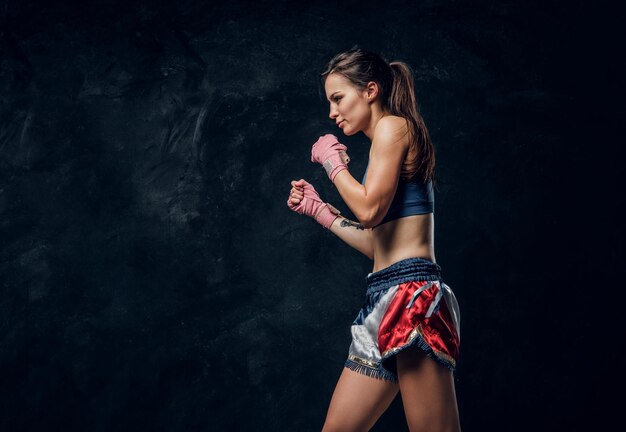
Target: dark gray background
153,278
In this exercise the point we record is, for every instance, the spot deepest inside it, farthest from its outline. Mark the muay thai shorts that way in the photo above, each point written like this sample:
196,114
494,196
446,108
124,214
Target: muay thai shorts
406,304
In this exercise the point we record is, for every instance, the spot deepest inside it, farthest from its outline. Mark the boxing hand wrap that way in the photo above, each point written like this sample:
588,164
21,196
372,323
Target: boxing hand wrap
329,152
326,215
312,205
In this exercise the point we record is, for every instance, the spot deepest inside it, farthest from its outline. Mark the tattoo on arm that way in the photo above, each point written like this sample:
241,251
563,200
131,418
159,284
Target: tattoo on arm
347,222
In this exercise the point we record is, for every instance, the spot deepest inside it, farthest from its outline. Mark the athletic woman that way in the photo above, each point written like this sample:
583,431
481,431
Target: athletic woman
406,336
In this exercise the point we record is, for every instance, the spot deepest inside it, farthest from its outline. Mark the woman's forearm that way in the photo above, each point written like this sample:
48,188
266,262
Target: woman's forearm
354,234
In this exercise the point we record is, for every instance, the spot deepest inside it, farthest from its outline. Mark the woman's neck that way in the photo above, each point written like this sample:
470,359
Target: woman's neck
377,114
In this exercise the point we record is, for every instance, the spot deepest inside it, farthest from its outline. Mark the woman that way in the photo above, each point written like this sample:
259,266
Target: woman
406,336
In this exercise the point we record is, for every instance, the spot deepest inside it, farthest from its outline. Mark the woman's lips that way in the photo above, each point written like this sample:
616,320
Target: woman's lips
340,123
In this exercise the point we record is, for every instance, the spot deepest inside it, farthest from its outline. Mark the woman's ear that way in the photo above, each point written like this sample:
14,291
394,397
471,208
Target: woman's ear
371,91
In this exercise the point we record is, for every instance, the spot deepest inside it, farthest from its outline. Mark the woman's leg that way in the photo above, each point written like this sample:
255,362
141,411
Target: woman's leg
428,394
358,402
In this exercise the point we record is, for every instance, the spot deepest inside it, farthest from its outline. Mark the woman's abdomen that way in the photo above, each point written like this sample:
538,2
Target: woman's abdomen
407,237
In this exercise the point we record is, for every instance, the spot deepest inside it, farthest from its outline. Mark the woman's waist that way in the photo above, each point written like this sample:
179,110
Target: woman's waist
387,256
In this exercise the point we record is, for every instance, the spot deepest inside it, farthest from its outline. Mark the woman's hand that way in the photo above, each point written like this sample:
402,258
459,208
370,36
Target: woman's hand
296,194
304,199
331,154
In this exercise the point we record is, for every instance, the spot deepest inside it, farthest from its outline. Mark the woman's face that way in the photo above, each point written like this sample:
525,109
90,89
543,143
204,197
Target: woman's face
348,106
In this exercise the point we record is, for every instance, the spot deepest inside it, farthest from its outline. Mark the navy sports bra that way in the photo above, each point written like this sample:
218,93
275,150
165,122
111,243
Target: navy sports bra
410,199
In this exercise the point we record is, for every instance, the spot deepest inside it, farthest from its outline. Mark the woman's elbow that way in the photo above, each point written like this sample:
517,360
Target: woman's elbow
369,219
367,224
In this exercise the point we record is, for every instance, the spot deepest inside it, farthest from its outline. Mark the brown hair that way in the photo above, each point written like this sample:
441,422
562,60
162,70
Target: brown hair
395,82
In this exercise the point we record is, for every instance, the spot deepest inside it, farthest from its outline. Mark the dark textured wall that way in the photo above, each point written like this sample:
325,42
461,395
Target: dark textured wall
153,278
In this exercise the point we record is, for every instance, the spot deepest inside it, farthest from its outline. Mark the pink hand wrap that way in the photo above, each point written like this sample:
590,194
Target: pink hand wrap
329,152
312,205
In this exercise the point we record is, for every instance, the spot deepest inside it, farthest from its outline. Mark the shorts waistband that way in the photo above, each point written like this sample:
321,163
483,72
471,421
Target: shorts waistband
408,269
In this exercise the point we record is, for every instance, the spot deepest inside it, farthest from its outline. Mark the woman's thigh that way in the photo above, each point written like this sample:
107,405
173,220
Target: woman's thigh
358,402
428,393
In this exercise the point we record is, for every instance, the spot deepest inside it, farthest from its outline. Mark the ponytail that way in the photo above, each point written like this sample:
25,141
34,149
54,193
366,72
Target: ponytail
403,103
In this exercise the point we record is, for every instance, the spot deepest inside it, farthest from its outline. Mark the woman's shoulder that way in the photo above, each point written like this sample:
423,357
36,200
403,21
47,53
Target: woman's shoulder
391,125
391,128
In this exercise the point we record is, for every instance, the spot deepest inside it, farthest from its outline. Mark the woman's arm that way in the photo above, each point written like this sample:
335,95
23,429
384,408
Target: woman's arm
355,235
370,202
